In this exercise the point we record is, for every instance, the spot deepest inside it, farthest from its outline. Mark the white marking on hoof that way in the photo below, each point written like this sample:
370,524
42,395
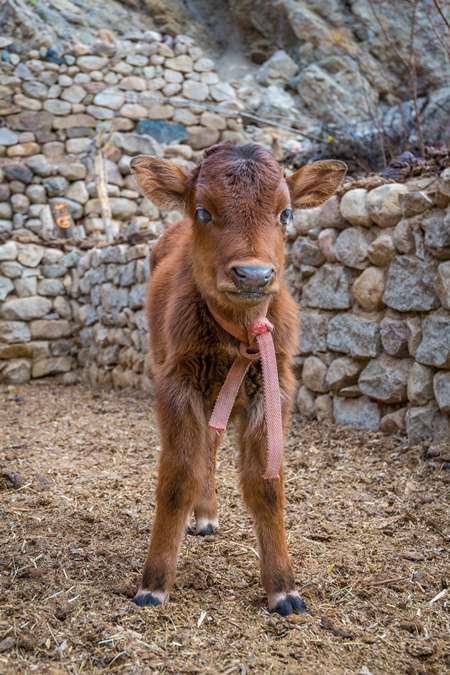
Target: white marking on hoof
202,524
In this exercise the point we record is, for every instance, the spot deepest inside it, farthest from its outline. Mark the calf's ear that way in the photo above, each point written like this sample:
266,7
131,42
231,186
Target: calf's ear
164,183
314,183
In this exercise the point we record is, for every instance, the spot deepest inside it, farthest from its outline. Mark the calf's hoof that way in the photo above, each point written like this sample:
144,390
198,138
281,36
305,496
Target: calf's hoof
287,603
149,598
204,528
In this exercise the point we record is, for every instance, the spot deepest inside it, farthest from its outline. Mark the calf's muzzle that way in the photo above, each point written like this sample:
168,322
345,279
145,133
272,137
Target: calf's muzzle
252,279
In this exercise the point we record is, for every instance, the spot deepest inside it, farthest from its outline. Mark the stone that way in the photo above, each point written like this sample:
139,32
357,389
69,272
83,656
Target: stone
13,332
386,379
51,366
110,98
368,289
89,63
404,237
62,306
36,194
56,186
35,89
16,371
73,171
394,422
343,372
74,94
5,210
328,288
53,271
200,138
305,403
122,208
12,270
324,409
5,192
204,65
23,150
133,111
383,204
133,82
78,120
25,309
381,251
40,165
279,69
50,329
354,335
314,375
419,422
8,251
134,144
27,103
313,333
30,255
359,413
26,287
50,287
306,252
394,337
351,249
18,172
434,350
20,203
444,184
441,387
8,137
413,203
327,240
76,146
6,225
77,191
186,117
354,207
437,233
137,296
57,107
162,131
197,91
182,63
28,350
32,121
420,384
442,284
409,285
100,113
222,91
6,286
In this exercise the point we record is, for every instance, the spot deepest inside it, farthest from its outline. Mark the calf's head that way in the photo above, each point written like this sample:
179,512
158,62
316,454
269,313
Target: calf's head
240,204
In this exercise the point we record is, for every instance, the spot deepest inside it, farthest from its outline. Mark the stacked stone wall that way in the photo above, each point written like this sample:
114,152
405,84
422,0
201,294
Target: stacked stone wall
157,98
371,271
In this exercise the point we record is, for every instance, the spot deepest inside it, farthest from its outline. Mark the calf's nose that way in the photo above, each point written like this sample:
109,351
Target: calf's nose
252,279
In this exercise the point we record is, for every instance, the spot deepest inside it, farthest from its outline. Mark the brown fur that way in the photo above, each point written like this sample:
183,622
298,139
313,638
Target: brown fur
244,190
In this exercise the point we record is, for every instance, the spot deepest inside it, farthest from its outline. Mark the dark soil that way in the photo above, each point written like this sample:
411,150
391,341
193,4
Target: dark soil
368,531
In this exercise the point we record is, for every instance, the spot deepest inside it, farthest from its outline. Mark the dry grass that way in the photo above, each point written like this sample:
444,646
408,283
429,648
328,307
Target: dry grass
368,525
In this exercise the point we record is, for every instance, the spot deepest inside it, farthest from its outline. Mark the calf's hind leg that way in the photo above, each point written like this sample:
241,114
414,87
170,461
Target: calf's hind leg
183,472
265,501
205,509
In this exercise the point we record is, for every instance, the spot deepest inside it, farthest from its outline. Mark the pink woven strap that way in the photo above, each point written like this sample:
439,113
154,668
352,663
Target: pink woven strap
261,332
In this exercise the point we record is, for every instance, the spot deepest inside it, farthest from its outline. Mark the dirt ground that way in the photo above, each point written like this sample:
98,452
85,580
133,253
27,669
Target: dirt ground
368,532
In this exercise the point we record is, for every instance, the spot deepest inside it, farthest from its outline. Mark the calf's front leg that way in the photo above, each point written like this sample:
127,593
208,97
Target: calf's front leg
183,472
265,501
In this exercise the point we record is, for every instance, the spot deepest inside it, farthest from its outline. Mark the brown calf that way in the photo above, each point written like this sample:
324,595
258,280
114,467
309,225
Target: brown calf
227,255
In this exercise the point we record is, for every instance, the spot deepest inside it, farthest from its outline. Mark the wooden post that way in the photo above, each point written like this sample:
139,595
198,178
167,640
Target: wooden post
100,181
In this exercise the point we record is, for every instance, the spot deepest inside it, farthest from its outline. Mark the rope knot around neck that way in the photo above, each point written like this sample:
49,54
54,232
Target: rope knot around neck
260,332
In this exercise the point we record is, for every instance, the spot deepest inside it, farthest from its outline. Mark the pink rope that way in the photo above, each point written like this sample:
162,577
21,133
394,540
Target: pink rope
261,332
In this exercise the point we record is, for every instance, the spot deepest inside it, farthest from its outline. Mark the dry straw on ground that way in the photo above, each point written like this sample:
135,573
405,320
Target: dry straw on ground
368,532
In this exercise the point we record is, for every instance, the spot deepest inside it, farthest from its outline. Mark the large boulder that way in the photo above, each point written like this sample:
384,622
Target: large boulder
409,285
360,413
386,379
354,335
328,288
434,350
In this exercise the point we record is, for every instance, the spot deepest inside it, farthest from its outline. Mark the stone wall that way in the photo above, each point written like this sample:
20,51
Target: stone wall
38,311
372,273
158,95
370,269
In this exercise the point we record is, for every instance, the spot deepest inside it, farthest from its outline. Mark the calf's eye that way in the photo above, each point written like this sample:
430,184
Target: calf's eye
204,216
286,217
